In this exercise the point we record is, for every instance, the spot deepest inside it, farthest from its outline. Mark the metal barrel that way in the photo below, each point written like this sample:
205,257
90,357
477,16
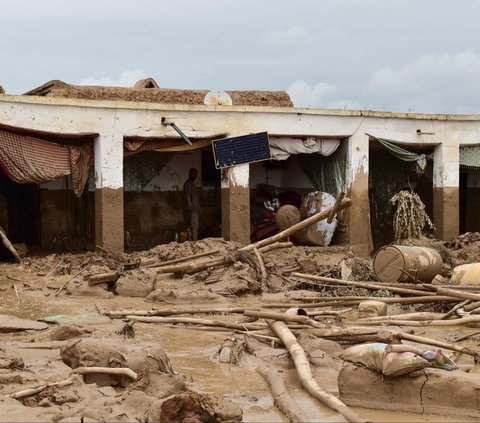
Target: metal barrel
399,263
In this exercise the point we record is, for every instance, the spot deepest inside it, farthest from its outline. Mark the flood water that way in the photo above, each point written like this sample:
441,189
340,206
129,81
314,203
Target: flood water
192,354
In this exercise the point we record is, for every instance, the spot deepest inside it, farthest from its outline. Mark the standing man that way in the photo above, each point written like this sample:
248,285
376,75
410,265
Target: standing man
191,203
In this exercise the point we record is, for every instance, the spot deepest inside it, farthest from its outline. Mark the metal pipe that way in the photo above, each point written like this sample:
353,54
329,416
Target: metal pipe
185,138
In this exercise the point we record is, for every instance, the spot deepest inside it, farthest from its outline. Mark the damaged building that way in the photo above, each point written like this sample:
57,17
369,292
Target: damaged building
84,166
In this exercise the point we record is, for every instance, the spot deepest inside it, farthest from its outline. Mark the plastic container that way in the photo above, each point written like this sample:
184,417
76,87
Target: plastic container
466,274
394,263
319,233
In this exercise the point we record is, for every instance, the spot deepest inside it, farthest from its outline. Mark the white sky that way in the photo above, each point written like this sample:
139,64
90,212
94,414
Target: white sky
394,55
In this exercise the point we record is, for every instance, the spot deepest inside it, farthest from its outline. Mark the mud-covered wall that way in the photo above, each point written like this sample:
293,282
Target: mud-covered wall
67,223
153,198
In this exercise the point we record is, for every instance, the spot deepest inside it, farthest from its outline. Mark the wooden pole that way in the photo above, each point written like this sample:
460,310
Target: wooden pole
345,203
458,294
362,284
440,344
9,245
193,321
281,396
113,371
173,312
284,317
305,373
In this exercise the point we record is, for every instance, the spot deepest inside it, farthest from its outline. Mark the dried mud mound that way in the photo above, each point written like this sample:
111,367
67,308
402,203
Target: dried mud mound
175,250
194,407
465,248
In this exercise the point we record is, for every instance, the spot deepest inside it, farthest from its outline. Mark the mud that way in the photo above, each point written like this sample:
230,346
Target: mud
180,374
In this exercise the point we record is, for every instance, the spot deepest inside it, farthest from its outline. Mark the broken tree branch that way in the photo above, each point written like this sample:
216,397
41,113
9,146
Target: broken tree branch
9,245
261,264
103,278
33,391
70,280
113,371
186,258
198,266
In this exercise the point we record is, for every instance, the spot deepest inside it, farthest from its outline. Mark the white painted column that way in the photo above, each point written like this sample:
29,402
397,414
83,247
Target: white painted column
358,215
446,181
236,203
109,192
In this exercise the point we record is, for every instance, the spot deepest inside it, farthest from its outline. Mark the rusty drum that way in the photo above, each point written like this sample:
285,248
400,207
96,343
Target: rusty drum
394,263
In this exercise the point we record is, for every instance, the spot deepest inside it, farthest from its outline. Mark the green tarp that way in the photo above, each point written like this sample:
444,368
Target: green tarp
401,153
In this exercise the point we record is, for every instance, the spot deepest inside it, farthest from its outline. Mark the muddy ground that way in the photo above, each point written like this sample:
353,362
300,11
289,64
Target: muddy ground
181,376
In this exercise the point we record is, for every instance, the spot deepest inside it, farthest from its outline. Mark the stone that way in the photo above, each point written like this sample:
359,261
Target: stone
136,283
372,309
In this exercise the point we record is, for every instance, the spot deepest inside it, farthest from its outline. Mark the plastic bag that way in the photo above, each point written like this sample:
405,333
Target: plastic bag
374,357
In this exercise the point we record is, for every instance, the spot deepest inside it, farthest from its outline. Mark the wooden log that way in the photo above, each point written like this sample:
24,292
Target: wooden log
336,207
33,391
454,309
440,344
173,312
328,312
186,258
113,371
458,294
341,331
281,396
399,300
346,202
275,246
284,317
387,300
193,321
261,264
102,278
362,284
9,245
472,306
418,316
453,322
305,373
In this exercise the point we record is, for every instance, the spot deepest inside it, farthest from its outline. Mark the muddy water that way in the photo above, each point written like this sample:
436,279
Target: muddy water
192,353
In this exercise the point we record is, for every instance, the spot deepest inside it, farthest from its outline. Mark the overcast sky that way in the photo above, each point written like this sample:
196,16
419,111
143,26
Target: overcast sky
393,55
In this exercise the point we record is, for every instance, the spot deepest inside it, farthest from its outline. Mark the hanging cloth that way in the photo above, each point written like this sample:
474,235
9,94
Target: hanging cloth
402,154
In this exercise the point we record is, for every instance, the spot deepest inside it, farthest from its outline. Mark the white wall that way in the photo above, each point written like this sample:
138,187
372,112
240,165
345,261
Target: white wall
290,177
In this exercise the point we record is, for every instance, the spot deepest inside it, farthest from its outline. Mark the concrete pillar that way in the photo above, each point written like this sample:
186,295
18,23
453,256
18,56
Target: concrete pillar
109,192
236,203
446,179
358,215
